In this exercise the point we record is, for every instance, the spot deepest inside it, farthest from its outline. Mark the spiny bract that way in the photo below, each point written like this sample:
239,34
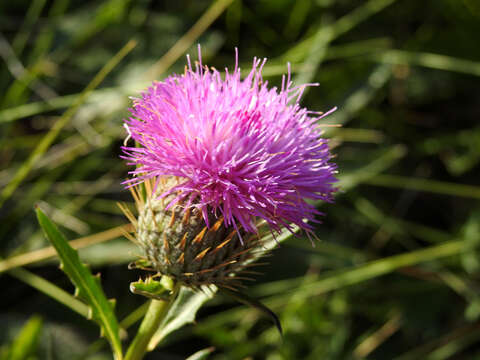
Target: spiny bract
178,243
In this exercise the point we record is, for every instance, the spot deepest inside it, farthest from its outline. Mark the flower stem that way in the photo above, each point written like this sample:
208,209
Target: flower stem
155,314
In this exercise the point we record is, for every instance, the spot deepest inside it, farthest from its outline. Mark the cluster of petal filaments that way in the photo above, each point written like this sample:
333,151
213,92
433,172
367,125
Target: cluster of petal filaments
240,149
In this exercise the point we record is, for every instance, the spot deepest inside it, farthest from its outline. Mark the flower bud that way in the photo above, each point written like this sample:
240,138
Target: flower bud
222,154
178,243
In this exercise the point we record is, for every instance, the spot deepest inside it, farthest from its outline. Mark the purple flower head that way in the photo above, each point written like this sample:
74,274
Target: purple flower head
238,147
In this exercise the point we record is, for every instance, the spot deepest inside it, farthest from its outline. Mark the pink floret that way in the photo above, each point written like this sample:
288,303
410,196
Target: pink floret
241,149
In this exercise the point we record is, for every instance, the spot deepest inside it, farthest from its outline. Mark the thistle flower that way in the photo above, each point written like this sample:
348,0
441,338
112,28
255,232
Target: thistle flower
219,156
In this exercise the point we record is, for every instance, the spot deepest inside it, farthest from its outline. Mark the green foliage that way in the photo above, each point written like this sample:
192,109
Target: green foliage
201,355
254,303
159,290
26,342
182,312
396,273
87,287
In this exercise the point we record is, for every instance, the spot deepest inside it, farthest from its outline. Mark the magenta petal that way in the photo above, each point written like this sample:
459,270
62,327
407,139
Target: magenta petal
240,148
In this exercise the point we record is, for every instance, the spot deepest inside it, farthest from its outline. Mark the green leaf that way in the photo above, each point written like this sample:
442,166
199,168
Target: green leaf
88,287
182,312
26,342
247,300
202,354
159,290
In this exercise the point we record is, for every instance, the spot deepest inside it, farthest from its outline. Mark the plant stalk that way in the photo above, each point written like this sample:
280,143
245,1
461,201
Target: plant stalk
155,314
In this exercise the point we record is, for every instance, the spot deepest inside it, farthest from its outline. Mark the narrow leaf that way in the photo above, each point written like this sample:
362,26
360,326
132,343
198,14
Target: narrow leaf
182,312
247,300
88,287
27,340
202,354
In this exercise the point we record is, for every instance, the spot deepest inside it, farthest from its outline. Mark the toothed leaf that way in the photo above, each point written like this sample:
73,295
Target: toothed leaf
113,303
159,290
140,264
88,287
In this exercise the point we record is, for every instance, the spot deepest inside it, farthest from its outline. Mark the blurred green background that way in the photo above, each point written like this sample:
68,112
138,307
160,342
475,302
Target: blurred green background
396,274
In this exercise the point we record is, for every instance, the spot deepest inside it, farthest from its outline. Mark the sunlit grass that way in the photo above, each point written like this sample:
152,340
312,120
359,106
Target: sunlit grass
395,275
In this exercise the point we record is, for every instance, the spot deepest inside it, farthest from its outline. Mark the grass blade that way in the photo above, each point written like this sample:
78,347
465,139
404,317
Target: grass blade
339,27
421,184
50,289
247,300
26,342
49,252
372,170
48,139
202,354
177,50
428,60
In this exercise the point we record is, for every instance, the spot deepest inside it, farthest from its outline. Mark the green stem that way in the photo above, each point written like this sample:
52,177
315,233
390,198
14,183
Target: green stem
155,314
